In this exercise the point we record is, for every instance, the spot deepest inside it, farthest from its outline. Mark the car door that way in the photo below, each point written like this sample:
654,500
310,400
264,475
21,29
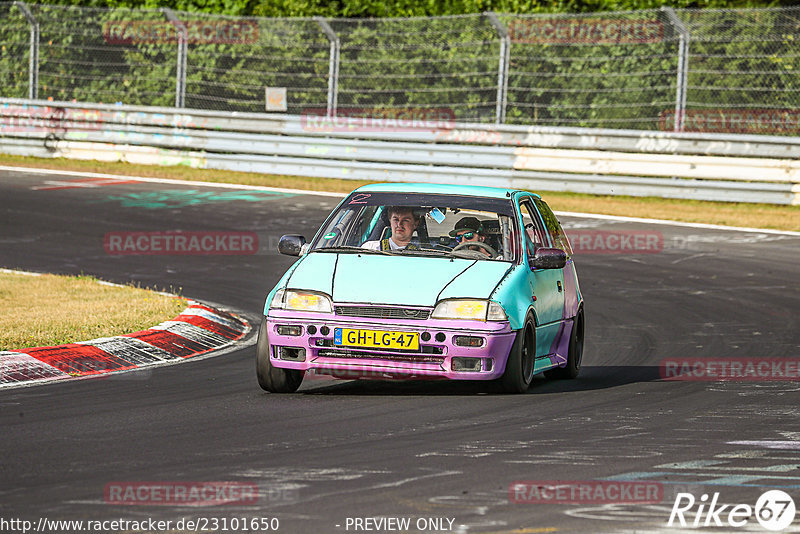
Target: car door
546,285
569,278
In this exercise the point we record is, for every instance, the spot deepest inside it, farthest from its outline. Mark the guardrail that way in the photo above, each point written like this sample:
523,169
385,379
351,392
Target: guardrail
737,168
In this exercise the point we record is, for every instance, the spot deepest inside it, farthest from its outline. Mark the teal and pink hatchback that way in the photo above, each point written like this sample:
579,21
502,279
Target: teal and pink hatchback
426,281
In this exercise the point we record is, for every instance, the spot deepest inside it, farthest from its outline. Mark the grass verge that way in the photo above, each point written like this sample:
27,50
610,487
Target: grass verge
724,213
50,310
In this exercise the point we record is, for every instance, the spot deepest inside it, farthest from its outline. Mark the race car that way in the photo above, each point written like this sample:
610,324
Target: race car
426,281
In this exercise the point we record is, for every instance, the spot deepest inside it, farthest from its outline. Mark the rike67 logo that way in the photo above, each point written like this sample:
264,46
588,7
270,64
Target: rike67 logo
774,510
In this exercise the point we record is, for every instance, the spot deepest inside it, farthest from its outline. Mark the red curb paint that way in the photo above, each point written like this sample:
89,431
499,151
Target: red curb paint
19,367
79,360
208,324
152,346
173,343
212,310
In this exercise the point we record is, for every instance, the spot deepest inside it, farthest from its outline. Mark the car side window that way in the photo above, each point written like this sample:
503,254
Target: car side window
557,235
532,227
363,226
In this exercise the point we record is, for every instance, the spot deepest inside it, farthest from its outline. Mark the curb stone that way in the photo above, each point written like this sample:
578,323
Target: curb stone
199,329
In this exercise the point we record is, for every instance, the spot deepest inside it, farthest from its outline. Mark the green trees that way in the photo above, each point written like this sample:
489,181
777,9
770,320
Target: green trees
611,70
409,8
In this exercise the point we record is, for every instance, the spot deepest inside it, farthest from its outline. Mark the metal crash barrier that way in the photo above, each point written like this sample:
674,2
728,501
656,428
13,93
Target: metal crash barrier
408,148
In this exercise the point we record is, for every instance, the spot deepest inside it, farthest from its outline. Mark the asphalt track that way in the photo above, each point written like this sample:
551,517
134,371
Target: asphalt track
364,449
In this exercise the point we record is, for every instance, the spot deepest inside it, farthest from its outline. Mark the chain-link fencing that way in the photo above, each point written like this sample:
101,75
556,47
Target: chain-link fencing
685,70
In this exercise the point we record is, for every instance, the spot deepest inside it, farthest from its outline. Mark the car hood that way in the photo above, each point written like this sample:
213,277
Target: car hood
408,280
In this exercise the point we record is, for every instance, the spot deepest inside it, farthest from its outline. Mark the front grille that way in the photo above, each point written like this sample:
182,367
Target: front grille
358,354
383,312
425,349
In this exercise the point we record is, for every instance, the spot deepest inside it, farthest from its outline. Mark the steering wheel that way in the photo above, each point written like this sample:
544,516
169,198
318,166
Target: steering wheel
492,252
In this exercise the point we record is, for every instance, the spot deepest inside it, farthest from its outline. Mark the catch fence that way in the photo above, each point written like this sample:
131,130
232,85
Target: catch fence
709,70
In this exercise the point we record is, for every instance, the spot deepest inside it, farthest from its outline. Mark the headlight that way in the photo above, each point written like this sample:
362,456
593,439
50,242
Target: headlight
479,310
292,299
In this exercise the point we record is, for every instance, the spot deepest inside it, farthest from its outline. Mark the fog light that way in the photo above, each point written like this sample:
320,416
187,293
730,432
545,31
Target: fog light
440,337
467,364
425,336
290,330
311,329
292,354
468,341
324,330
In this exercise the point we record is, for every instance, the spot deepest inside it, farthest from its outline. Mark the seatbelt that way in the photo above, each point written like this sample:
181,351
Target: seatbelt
386,246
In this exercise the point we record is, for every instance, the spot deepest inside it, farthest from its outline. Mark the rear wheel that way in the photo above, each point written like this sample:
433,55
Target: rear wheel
575,352
519,367
271,378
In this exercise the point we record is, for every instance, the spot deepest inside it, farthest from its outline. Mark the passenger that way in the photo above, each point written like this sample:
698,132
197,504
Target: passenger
403,221
470,230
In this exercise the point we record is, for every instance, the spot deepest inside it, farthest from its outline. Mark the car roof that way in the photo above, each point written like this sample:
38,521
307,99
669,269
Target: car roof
444,189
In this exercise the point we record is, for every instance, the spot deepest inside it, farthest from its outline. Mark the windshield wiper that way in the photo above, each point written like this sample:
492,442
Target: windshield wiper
423,252
467,254
346,248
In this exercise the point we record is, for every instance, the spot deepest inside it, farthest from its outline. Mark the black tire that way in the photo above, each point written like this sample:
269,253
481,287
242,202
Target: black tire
574,354
519,367
271,378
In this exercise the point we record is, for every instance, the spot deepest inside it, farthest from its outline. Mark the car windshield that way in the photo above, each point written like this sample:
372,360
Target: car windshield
414,224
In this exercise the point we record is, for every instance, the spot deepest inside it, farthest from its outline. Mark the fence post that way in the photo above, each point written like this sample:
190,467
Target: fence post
333,66
683,67
502,70
33,64
180,75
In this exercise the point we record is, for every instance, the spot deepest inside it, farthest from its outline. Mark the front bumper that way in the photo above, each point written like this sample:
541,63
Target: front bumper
312,348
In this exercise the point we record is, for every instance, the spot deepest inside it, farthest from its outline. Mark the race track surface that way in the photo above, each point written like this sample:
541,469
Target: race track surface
341,450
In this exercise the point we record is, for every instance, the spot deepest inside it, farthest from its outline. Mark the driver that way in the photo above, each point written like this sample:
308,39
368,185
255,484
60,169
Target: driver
403,221
470,230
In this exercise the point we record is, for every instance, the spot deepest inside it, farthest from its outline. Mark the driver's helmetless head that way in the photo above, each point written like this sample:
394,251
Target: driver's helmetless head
403,223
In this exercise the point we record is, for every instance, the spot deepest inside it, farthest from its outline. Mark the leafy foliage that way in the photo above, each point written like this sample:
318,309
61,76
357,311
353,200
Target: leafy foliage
410,8
617,78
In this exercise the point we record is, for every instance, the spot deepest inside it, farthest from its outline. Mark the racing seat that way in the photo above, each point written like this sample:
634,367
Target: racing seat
491,232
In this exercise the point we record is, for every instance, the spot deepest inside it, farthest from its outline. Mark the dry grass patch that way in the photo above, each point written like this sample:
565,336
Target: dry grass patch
52,310
696,211
724,213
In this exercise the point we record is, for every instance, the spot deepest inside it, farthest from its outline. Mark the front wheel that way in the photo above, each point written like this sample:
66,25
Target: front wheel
271,378
519,367
575,352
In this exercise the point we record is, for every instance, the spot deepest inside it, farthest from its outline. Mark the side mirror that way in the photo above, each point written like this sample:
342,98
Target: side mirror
291,245
548,258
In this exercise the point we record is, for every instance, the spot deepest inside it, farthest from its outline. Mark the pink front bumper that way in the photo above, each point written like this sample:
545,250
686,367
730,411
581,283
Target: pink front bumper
433,360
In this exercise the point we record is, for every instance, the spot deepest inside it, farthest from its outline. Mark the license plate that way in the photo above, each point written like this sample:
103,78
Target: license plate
375,339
